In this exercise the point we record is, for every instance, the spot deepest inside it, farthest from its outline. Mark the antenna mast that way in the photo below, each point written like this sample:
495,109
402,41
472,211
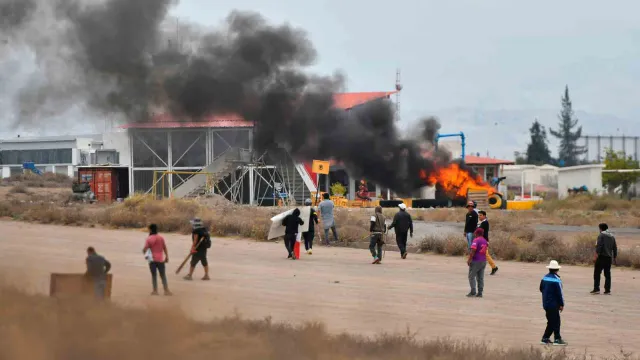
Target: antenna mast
398,88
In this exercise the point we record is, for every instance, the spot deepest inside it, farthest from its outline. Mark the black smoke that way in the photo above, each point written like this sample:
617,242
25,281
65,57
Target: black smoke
13,13
121,59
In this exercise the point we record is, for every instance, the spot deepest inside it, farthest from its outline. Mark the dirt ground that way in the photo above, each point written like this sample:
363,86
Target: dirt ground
339,287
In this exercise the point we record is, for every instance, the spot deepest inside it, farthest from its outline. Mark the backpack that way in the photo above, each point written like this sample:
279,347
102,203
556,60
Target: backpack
206,242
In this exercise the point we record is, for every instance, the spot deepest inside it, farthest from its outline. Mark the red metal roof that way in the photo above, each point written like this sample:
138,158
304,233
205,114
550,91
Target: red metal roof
480,160
349,100
166,121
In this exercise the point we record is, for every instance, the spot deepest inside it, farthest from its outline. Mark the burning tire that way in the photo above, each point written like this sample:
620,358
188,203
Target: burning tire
495,201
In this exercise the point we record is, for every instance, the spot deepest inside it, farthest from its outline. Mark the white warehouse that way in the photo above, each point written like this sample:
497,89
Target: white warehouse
58,154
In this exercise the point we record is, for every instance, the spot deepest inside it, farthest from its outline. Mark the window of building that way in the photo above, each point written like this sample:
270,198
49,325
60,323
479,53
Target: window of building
41,156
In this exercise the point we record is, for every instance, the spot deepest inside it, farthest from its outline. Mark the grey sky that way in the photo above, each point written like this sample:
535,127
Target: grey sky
477,56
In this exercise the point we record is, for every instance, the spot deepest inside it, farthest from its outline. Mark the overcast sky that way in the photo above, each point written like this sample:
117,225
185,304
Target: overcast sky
485,67
472,54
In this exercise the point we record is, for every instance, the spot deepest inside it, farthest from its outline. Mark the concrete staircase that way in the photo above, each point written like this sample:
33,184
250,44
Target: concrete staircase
220,168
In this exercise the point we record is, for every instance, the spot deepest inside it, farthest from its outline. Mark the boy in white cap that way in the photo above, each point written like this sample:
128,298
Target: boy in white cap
403,224
553,304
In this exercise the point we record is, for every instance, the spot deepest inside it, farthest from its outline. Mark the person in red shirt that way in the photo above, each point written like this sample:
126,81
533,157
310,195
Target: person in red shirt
159,257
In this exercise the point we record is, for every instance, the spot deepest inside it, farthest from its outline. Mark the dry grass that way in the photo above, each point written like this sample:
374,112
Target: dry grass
171,215
80,329
530,247
46,180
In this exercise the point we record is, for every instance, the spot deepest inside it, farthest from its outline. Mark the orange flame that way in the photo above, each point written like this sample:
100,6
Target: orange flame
455,180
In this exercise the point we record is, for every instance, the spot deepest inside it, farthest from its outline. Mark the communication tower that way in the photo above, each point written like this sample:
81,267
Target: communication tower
398,88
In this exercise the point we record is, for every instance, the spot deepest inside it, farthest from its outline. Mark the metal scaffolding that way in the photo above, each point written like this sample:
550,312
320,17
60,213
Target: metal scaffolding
164,159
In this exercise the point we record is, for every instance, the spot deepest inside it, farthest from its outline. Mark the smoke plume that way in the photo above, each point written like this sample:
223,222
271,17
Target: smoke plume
114,56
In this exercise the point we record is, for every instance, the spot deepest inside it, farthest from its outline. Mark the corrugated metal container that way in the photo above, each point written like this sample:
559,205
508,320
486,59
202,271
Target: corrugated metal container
103,182
73,285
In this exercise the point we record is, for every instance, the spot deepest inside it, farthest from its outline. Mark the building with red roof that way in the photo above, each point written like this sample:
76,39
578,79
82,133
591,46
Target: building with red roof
488,168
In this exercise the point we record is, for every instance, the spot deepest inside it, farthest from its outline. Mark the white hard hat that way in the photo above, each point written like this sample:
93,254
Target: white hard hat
553,265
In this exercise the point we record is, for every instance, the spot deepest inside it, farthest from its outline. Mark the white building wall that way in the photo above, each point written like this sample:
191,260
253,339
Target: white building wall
540,175
119,141
576,176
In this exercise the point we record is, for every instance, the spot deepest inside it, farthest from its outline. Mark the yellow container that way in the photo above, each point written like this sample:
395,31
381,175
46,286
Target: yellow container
521,204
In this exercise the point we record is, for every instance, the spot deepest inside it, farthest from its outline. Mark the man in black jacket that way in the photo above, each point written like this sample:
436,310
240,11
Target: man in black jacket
291,223
311,232
403,224
470,223
606,253
484,225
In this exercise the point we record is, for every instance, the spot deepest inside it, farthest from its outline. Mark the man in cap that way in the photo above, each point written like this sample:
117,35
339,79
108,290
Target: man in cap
403,224
200,242
553,304
606,253
470,223
310,234
377,229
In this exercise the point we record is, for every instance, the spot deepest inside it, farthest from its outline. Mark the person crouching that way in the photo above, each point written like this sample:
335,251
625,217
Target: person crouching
291,223
377,230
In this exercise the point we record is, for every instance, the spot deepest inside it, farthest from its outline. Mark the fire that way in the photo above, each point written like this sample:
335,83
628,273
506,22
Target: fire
455,180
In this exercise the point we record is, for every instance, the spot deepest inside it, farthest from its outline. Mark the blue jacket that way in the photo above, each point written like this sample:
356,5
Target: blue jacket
551,289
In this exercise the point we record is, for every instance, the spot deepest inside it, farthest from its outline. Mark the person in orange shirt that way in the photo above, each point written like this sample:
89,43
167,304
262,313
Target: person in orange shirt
484,225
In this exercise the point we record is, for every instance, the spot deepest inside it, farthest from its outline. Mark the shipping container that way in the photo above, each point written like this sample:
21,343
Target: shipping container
108,183
76,285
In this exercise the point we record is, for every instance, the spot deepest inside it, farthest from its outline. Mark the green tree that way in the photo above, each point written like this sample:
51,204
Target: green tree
615,161
538,149
569,150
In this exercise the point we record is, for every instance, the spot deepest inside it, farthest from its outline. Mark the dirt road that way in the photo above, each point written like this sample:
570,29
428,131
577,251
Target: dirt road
340,288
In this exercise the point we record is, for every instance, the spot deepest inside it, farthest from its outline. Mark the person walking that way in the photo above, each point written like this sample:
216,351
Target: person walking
311,232
477,262
159,257
484,225
470,223
377,229
403,224
326,214
97,269
200,243
553,304
606,254
291,223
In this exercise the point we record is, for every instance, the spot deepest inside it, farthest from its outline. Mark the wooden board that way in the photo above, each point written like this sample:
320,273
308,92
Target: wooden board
65,285
480,196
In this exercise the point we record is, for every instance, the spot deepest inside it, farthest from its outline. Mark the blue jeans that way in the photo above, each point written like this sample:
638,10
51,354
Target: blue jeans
469,240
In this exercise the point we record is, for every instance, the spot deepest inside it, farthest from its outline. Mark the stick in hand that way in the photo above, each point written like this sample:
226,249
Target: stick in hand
187,258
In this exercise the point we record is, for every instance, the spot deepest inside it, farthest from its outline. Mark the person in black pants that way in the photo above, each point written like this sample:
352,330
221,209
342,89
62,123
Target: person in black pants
291,223
311,232
553,304
606,253
403,224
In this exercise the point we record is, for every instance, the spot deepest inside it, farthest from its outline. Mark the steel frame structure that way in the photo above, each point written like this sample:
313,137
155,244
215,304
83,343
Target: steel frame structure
164,157
155,151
